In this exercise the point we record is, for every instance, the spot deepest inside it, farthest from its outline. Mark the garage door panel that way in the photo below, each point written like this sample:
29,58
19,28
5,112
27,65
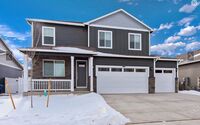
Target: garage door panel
122,82
165,80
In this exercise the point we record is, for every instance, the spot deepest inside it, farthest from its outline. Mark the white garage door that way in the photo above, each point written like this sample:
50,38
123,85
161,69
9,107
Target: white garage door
165,80
118,79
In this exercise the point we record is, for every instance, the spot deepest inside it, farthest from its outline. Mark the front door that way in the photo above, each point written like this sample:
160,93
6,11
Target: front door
81,74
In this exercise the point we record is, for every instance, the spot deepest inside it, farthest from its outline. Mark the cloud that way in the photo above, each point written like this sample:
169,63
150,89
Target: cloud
7,32
164,26
189,8
188,31
186,21
172,39
166,49
129,2
192,46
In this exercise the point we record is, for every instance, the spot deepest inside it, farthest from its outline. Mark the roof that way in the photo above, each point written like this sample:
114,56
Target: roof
89,51
71,50
14,59
188,62
30,20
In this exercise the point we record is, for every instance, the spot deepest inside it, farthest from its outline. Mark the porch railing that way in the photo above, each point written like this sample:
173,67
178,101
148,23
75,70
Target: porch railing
56,84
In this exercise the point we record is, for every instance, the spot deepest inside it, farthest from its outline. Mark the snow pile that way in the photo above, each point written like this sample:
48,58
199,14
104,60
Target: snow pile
191,92
88,109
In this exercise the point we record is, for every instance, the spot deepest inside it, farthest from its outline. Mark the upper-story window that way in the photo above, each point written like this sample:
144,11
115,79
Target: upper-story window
48,36
105,39
134,41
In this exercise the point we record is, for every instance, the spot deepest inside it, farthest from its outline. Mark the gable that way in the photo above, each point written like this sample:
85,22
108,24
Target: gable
3,57
120,19
2,47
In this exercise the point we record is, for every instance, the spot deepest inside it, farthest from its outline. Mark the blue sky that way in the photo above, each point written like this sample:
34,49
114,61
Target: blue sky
176,22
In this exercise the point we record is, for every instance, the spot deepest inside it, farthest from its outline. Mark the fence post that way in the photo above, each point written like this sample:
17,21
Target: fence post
9,93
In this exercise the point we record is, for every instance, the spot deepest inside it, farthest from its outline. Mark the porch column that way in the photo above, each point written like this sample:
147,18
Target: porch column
25,73
72,73
91,73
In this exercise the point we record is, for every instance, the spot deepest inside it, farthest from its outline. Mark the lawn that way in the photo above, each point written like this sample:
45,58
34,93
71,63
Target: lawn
88,109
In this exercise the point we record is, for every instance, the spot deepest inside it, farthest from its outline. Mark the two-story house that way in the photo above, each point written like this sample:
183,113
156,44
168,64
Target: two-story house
110,54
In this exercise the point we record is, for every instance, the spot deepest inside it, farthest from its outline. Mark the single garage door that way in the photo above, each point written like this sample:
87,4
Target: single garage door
118,79
165,80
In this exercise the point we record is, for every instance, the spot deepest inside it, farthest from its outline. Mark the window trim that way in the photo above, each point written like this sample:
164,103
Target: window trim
129,34
54,60
99,39
54,36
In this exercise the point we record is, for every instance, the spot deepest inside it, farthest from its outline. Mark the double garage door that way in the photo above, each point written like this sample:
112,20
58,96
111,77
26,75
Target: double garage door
120,79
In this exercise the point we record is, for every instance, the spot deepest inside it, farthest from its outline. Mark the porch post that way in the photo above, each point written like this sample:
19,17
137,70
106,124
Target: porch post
72,73
25,73
91,73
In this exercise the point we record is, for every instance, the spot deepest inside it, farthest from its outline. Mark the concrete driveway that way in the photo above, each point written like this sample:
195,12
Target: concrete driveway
157,109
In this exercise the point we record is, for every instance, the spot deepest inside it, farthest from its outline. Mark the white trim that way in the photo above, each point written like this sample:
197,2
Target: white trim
116,27
105,31
86,74
55,22
88,35
54,37
53,60
72,73
149,43
91,65
91,21
32,33
162,59
129,34
10,66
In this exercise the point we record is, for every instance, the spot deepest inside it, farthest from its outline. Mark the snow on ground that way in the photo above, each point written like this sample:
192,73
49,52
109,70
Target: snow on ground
88,109
191,92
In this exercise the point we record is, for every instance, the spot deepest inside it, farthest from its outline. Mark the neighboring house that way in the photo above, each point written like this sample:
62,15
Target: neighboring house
110,54
189,70
9,66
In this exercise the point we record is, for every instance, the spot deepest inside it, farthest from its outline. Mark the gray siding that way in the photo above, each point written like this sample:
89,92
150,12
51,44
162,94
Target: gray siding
192,71
10,72
120,19
166,64
120,41
65,35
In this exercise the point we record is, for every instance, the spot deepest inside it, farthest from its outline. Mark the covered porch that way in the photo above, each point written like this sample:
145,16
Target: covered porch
63,71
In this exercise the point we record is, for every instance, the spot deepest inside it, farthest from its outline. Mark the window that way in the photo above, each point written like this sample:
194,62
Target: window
104,69
140,70
48,36
116,69
167,71
134,41
53,68
158,71
128,69
104,39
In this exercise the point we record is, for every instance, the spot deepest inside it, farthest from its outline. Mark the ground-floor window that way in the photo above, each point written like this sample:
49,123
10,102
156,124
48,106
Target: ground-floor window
53,68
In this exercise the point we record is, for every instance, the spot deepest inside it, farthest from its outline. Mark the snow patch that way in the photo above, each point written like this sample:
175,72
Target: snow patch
191,92
88,109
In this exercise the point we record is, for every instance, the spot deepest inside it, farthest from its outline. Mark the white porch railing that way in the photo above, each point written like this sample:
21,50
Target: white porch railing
56,84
